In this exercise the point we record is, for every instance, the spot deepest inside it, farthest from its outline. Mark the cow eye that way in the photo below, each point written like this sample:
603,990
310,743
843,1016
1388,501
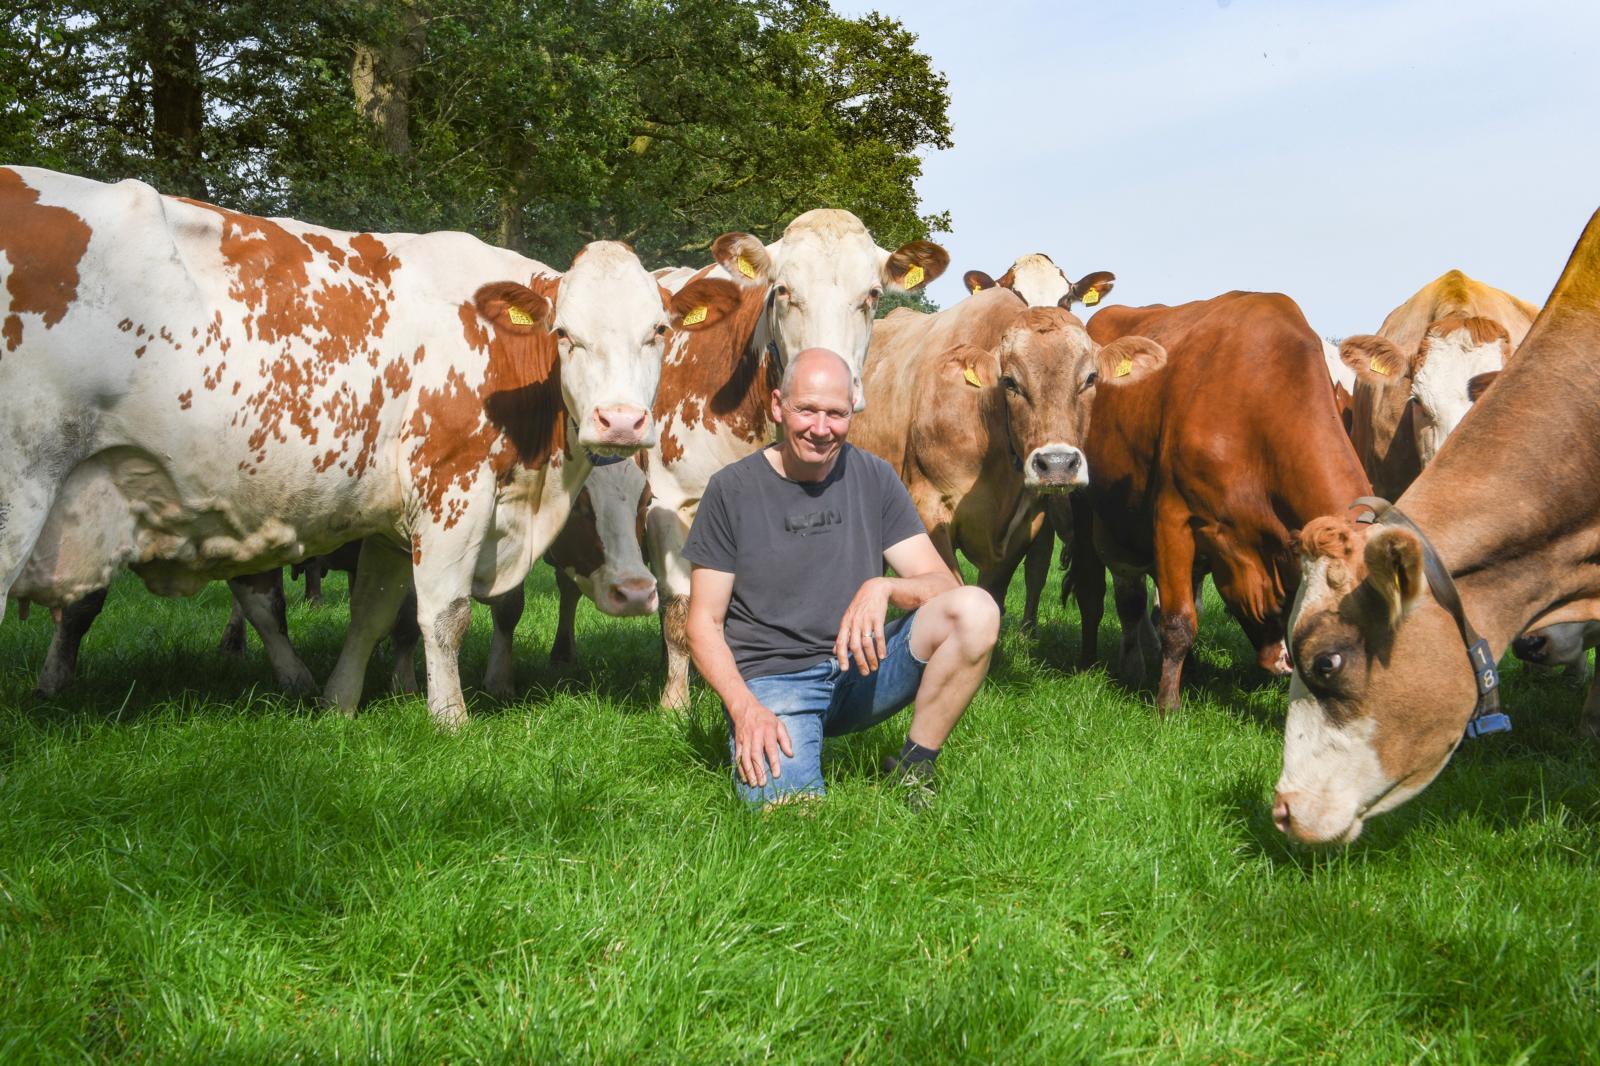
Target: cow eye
874,294
781,290
1094,376
561,334
1325,665
1010,384
661,329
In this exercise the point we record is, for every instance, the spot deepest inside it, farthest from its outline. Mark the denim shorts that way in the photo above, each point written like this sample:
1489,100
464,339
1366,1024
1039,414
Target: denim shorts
824,701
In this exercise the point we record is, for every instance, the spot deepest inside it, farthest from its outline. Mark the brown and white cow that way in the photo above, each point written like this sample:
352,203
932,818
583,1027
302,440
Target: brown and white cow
198,394
1211,464
1418,375
1384,687
816,287
994,432
1040,283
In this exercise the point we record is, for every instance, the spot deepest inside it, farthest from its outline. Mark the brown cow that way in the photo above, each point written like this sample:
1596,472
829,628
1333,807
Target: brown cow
1385,685
993,433
1210,464
1414,377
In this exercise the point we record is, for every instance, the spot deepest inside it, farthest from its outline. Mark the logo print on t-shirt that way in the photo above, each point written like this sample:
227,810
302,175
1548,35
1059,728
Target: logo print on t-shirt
804,525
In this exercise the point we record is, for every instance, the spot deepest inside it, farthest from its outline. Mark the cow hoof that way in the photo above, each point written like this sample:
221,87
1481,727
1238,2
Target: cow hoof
450,718
502,691
403,681
231,644
675,699
299,685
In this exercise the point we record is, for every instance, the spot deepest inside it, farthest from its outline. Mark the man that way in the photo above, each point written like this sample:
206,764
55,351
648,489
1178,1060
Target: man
787,600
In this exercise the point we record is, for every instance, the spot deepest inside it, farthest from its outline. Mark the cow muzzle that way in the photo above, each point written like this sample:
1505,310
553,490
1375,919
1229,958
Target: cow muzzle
619,428
629,596
1297,817
1055,467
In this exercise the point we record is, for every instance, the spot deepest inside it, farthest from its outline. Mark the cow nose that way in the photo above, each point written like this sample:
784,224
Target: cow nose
623,424
1531,647
1281,815
1057,464
632,595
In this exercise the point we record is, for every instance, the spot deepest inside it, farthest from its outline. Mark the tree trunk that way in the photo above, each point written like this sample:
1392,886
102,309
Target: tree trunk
177,98
380,76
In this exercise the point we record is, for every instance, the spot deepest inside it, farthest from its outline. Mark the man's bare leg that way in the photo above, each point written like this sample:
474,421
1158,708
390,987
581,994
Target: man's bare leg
955,634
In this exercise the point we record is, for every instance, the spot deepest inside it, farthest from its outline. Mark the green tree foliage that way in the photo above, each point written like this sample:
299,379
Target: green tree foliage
537,125
917,301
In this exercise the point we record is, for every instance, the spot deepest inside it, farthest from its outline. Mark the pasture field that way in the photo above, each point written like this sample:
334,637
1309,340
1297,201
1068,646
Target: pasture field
195,869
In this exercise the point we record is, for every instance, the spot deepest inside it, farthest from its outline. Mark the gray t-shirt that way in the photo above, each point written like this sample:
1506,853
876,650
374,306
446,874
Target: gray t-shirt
798,552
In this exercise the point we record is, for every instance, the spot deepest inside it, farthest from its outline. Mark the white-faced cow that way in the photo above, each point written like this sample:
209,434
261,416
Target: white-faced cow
1384,684
198,394
1428,362
816,287
1040,283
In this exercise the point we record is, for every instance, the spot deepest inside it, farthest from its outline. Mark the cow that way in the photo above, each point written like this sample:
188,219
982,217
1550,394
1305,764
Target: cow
197,394
1212,463
1384,685
1344,383
1040,283
992,432
1567,645
1418,375
816,287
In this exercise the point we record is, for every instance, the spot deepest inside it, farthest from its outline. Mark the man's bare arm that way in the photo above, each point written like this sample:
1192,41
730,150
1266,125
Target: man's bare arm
920,575
757,732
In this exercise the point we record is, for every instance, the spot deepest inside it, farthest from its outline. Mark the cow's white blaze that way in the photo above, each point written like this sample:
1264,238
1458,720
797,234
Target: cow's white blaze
608,311
1039,281
1340,371
1439,386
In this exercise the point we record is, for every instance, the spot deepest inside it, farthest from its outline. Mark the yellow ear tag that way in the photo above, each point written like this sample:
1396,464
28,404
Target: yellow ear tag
1380,366
518,316
1124,368
746,267
972,378
977,289
1091,297
695,317
913,277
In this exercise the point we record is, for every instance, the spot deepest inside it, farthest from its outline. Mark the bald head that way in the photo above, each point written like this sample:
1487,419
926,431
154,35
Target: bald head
816,368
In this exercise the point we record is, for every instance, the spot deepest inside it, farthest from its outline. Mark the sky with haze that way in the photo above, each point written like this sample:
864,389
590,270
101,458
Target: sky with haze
1345,152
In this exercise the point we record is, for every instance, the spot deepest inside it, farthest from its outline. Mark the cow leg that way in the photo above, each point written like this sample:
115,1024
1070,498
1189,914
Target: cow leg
61,661
1589,724
313,571
403,640
666,532
675,635
564,648
1137,644
260,598
23,511
444,614
1035,572
232,642
1088,586
382,581
1175,553
499,678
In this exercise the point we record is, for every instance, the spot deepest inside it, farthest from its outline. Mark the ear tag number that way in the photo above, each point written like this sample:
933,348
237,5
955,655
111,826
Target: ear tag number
518,316
1124,368
1091,297
695,317
913,276
746,267
972,378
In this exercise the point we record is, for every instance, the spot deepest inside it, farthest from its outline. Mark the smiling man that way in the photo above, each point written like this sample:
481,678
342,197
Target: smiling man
788,602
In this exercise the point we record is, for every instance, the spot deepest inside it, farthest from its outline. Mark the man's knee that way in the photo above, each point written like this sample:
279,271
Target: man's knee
974,618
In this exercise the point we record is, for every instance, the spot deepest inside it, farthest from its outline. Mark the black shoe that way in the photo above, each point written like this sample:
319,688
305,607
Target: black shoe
916,781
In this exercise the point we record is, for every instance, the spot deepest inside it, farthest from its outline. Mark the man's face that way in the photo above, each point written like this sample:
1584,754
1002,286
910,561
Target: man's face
816,415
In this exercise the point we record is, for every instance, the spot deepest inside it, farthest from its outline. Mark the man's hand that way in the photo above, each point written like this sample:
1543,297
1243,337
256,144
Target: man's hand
757,736
861,629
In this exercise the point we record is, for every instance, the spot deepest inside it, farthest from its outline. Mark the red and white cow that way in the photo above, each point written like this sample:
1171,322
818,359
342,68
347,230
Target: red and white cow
816,287
198,394
1040,283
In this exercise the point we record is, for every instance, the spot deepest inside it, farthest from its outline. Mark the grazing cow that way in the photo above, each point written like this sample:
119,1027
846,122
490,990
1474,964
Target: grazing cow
1418,375
1041,283
817,287
1384,685
199,394
1211,463
991,433
1567,644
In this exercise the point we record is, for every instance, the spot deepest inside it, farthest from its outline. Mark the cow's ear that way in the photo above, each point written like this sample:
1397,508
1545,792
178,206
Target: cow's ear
1394,570
976,281
744,257
703,303
1478,384
1374,359
972,367
1129,359
513,308
911,266
1090,289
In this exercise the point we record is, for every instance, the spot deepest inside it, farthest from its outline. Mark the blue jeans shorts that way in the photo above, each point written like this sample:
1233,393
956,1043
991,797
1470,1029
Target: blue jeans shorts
824,701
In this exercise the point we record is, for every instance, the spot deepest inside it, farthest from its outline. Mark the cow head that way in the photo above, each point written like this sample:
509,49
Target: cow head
826,276
1437,383
1381,684
599,547
1041,283
1049,371
611,321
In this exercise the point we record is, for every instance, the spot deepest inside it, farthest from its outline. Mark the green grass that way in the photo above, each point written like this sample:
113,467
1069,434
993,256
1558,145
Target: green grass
193,868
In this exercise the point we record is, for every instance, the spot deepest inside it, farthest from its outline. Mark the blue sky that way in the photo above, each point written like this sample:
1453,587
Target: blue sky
1345,152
